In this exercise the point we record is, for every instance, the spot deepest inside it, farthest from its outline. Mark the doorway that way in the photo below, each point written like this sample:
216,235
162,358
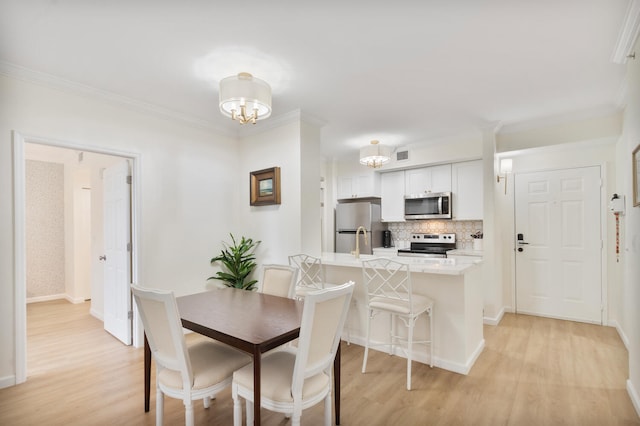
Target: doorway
20,145
559,244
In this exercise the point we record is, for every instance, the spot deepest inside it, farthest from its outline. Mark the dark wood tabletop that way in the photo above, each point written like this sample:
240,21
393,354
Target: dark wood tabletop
242,319
250,321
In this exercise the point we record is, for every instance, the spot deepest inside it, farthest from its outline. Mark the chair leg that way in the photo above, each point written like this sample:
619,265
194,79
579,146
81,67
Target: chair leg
366,343
297,414
431,336
392,329
249,411
188,414
237,409
409,352
159,407
327,409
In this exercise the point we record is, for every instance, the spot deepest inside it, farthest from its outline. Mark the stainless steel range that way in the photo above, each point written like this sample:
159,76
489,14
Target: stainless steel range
429,245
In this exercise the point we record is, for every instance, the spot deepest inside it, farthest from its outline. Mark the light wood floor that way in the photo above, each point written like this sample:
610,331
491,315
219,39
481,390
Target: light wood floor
533,371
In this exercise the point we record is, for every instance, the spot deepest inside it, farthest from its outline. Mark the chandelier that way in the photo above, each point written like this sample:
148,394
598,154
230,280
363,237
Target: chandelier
375,155
245,98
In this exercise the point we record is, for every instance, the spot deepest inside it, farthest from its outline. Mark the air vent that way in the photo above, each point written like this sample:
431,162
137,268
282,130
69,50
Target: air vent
402,155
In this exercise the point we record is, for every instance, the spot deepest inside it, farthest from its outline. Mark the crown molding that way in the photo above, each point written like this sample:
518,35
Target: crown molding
25,74
272,122
628,33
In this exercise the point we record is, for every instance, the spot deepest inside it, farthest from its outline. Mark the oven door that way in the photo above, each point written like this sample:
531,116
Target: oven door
414,253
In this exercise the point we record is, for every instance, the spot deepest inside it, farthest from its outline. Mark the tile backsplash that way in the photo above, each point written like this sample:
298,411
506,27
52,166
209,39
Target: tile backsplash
401,231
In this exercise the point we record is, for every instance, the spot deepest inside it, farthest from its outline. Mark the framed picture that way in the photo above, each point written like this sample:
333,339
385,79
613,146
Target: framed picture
635,169
265,187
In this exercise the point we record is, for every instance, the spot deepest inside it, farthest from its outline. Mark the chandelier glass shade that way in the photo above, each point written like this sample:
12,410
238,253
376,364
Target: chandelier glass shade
245,98
375,155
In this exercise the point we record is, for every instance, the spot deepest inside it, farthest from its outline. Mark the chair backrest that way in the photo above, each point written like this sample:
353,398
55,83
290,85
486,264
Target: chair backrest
279,280
387,278
161,320
323,317
311,271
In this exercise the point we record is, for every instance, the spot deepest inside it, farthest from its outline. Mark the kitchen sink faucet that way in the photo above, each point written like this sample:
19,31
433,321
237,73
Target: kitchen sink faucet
356,252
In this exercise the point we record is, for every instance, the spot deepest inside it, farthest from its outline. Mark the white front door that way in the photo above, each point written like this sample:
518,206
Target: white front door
558,244
117,296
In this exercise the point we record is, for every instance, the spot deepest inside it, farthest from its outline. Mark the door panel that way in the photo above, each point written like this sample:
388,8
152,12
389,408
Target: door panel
558,260
117,296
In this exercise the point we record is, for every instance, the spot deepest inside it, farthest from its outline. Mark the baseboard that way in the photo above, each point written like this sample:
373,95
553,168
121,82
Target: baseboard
633,394
455,367
55,297
75,300
45,298
623,336
7,382
496,320
96,314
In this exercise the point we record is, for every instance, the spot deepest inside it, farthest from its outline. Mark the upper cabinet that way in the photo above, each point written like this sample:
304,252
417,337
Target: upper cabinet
428,179
392,192
357,185
467,188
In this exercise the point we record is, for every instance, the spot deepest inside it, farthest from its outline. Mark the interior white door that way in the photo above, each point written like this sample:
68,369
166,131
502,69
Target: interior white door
558,244
117,211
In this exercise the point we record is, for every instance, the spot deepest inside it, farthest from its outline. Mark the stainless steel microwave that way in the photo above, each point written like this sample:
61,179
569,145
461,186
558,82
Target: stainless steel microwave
434,205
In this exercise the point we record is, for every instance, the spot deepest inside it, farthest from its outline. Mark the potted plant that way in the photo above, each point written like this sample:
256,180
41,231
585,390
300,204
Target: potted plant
238,262
477,240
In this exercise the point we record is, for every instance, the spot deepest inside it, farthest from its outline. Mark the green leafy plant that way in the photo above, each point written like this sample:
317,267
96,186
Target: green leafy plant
238,261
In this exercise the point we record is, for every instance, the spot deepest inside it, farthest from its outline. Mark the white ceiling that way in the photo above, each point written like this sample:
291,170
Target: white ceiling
402,72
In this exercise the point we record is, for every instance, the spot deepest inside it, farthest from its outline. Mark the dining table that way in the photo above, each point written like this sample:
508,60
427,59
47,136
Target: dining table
246,320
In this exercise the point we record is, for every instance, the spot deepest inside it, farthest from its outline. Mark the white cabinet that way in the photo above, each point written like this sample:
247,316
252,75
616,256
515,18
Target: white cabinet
392,193
466,182
359,185
428,179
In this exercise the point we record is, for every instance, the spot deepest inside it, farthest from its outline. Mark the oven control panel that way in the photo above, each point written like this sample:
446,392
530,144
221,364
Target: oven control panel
433,238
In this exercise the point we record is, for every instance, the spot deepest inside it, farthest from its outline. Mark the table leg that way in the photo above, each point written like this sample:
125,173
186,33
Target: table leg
147,374
256,386
336,383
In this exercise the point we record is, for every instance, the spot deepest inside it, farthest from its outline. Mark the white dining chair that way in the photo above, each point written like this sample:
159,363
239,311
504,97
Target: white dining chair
311,275
184,372
388,290
278,280
295,379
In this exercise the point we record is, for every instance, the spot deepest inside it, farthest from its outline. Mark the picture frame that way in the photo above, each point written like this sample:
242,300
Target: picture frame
265,187
635,169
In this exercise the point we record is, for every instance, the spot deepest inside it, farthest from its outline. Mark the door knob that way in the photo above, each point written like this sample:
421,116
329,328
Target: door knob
103,257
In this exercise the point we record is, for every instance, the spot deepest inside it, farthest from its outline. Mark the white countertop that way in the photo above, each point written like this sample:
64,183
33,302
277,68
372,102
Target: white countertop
465,252
416,264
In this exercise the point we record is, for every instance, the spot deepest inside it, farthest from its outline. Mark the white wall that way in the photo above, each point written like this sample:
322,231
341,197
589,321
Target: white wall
186,194
630,318
294,225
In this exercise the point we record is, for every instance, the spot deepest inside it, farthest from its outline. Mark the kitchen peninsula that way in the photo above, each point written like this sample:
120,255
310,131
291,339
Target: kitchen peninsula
455,287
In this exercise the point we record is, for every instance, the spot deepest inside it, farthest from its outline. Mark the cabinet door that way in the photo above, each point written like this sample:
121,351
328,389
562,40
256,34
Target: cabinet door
358,185
428,179
467,190
417,181
392,191
441,178
346,187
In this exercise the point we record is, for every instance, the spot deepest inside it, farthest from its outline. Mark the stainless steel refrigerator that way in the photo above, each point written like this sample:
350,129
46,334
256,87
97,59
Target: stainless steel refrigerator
352,214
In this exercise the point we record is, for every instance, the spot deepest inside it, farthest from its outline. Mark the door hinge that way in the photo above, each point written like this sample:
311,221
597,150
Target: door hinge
129,179
130,315
128,246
